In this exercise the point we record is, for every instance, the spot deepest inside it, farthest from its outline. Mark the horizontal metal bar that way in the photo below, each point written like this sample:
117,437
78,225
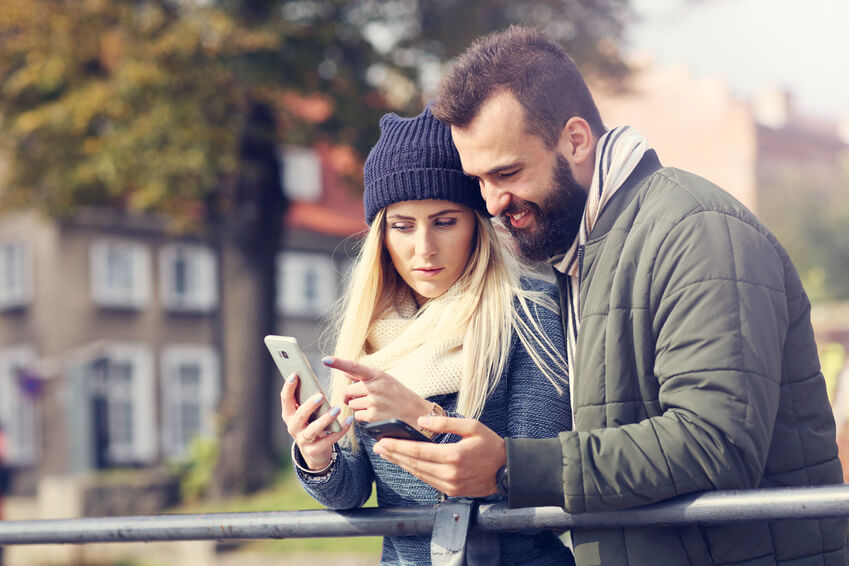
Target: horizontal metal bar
719,506
219,526
716,506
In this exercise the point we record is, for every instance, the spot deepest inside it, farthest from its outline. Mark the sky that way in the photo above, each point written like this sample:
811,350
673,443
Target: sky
799,45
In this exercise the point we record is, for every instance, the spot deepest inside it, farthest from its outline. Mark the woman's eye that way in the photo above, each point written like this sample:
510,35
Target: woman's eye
401,226
444,222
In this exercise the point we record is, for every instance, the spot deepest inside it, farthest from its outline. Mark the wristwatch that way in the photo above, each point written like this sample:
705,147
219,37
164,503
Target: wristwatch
502,481
435,411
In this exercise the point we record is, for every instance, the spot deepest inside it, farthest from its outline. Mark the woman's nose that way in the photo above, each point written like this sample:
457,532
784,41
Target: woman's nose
425,244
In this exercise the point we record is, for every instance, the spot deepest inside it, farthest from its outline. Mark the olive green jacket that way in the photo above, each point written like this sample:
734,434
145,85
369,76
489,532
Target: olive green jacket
696,369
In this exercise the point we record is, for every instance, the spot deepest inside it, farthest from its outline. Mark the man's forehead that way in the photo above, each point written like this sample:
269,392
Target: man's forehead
495,138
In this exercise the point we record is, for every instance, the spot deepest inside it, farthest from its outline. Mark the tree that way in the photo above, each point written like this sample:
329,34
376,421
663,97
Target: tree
810,222
179,107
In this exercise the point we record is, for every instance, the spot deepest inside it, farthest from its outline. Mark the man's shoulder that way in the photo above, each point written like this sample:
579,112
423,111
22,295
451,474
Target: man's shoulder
677,192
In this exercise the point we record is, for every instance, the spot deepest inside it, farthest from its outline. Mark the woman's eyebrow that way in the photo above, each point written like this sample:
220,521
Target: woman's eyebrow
397,216
446,211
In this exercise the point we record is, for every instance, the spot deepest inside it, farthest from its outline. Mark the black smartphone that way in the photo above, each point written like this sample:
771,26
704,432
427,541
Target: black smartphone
393,428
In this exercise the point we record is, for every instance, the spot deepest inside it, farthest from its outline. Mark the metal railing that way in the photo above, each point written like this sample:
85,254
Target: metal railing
452,524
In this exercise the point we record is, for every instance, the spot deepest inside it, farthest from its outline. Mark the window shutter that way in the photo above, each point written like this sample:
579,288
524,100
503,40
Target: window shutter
144,404
207,279
17,411
168,397
141,275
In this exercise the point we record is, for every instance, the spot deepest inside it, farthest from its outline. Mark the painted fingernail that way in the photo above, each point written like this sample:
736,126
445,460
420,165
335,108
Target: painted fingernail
335,411
349,420
327,360
292,378
317,398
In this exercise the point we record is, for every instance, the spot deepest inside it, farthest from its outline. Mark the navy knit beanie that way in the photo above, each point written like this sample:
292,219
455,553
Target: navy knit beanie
415,159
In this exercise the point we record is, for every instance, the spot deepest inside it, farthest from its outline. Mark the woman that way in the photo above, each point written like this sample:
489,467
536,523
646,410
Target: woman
437,314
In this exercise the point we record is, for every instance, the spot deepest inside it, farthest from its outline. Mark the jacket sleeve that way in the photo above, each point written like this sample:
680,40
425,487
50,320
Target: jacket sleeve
718,316
349,483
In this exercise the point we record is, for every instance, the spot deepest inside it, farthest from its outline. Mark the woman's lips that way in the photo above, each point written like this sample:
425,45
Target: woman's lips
428,272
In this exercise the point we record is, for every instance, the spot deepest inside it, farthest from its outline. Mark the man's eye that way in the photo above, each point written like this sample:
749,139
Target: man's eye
506,174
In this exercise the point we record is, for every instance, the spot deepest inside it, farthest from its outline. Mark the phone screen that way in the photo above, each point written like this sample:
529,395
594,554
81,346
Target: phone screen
393,428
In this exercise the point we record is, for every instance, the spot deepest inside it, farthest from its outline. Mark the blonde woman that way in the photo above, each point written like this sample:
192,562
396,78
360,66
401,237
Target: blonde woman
436,320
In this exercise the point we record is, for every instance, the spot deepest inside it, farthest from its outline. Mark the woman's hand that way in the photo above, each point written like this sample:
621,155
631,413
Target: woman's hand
375,395
315,445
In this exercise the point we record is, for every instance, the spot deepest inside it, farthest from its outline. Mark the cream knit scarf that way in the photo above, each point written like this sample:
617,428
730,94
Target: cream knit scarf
617,154
405,343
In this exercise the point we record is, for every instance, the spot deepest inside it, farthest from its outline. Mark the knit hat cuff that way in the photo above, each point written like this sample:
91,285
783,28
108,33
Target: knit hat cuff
422,184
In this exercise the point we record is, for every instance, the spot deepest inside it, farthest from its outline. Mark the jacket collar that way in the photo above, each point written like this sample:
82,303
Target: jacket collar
647,165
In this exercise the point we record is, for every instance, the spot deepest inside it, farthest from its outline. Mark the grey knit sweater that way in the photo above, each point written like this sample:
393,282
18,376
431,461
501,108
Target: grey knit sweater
524,405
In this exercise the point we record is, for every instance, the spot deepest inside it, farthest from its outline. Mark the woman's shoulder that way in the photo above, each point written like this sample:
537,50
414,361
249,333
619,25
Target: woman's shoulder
540,285
542,305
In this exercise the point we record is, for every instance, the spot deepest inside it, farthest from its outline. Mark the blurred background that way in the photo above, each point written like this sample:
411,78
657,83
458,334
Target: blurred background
179,178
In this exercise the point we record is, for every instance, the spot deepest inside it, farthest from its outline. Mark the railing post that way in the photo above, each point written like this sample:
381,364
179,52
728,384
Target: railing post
450,529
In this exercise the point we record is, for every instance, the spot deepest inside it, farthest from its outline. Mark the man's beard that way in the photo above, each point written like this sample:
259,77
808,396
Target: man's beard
558,218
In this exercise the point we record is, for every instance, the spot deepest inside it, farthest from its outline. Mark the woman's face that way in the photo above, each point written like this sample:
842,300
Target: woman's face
430,242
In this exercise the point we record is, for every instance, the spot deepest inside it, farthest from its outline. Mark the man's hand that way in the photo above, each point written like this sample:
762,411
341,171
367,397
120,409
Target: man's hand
466,468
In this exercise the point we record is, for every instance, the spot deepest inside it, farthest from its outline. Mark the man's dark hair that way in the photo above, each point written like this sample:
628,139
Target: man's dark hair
524,61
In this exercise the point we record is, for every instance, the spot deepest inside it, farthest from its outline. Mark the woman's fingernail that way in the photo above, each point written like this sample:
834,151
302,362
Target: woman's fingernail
335,411
317,398
292,378
327,360
349,420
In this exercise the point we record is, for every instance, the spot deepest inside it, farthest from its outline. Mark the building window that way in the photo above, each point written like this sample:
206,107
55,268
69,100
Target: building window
301,173
306,283
15,275
190,388
18,413
122,394
120,273
188,278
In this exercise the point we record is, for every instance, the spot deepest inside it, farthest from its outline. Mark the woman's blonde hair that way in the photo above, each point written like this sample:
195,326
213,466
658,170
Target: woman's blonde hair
491,307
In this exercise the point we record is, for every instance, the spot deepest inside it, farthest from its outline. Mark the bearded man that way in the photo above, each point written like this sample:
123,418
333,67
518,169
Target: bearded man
692,359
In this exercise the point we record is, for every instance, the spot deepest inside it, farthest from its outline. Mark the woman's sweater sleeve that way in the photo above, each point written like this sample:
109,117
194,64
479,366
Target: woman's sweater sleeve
535,408
349,482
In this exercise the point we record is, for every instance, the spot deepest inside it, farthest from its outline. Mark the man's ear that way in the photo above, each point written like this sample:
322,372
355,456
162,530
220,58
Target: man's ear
577,143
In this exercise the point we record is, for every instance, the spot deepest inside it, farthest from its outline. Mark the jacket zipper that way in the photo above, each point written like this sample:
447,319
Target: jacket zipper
580,281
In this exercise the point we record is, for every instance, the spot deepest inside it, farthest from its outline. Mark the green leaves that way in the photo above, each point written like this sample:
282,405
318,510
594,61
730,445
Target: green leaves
142,103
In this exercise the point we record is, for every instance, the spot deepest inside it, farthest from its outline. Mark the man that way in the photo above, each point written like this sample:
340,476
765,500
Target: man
692,360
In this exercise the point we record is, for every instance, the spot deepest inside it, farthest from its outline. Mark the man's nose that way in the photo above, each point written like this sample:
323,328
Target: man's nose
497,200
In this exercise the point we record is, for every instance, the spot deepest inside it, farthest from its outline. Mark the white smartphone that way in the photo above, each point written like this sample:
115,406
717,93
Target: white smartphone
290,359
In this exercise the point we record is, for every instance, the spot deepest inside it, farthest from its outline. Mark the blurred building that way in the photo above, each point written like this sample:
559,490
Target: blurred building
110,341
749,148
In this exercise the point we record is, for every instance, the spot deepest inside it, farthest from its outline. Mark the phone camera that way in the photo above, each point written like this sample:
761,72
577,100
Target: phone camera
284,354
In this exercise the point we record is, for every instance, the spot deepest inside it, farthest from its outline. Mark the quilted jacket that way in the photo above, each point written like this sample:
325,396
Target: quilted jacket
696,369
